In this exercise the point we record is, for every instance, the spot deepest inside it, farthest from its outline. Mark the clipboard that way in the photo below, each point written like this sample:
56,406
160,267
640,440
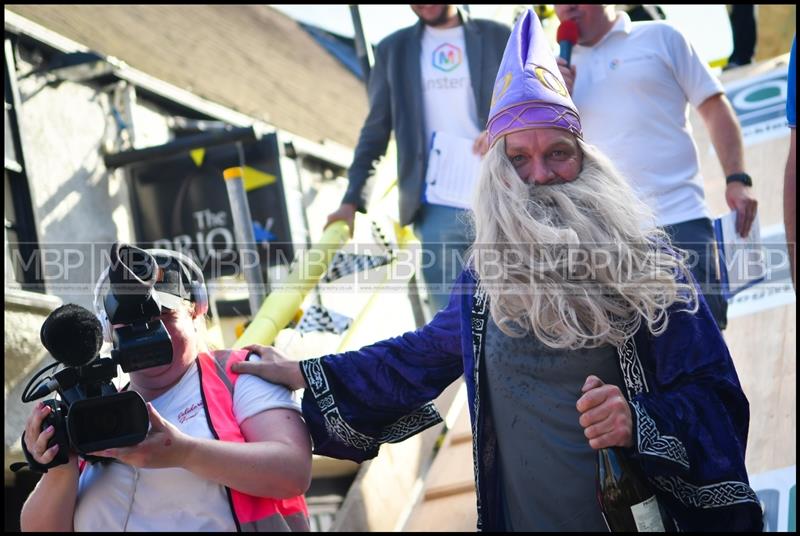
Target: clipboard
741,260
453,171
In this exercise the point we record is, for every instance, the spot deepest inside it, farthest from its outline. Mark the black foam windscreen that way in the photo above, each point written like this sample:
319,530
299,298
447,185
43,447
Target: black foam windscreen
72,335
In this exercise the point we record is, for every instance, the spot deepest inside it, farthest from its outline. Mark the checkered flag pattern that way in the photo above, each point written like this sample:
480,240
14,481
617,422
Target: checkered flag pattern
318,318
379,237
344,264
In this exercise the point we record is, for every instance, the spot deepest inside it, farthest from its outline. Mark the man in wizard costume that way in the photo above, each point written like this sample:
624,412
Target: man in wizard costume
576,327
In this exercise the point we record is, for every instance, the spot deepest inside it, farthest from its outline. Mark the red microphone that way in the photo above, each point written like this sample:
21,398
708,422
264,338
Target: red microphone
567,37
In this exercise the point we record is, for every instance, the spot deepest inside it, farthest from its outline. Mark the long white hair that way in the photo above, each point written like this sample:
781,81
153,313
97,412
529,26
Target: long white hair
578,264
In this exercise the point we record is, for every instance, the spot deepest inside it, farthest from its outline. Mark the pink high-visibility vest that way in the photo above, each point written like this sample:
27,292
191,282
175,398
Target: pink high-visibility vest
250,513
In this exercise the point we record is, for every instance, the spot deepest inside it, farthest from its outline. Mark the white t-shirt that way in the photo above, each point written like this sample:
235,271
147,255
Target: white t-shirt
447,95
117,497
632,89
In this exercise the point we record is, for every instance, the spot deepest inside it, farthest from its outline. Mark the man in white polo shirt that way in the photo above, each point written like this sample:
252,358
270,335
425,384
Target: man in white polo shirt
633,83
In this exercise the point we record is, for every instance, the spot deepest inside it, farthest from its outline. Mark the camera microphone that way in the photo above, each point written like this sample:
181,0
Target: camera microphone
72,335
567,37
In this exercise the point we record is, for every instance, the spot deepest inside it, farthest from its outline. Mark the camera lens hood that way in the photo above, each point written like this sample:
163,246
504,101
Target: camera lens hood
132,268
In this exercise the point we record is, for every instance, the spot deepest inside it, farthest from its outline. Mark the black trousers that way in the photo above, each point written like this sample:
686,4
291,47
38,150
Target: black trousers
743,26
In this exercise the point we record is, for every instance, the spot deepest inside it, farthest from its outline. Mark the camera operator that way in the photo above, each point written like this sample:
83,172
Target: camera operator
223,452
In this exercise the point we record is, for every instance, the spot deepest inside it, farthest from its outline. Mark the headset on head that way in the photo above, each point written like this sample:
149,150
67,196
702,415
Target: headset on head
197,289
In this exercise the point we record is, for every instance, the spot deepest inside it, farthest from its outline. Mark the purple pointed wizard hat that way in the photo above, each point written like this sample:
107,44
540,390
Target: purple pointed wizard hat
529,91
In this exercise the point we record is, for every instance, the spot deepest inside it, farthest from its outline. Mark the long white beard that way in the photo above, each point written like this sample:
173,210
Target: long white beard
579,264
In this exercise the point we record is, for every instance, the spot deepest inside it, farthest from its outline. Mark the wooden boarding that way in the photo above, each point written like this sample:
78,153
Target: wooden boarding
762,344
447,502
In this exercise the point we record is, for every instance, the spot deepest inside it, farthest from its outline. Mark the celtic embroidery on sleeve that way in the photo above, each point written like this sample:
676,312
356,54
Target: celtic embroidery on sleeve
337,426
711,496
350,436
410,424
632,370
652,443
312,370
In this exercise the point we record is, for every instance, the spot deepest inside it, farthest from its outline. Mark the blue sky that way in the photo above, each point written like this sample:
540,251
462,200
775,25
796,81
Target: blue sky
706,25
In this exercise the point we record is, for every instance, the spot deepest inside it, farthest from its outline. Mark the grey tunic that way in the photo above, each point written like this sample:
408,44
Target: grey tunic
547,466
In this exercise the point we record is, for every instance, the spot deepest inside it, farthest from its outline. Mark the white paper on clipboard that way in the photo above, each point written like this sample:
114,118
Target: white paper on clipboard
741,260
452,171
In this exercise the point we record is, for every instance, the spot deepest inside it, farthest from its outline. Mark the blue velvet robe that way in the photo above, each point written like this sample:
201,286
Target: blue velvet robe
690,416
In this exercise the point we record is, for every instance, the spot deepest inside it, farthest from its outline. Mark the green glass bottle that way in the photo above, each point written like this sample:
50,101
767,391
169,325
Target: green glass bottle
626,500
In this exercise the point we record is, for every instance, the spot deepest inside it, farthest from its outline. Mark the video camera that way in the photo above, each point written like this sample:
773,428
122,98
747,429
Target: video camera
91,415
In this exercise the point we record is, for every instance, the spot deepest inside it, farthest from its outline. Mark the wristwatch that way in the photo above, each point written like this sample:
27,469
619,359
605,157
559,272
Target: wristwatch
744,178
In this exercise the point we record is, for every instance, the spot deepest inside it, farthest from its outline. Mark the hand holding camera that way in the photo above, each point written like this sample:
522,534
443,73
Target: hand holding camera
91,415
164,446
39,438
